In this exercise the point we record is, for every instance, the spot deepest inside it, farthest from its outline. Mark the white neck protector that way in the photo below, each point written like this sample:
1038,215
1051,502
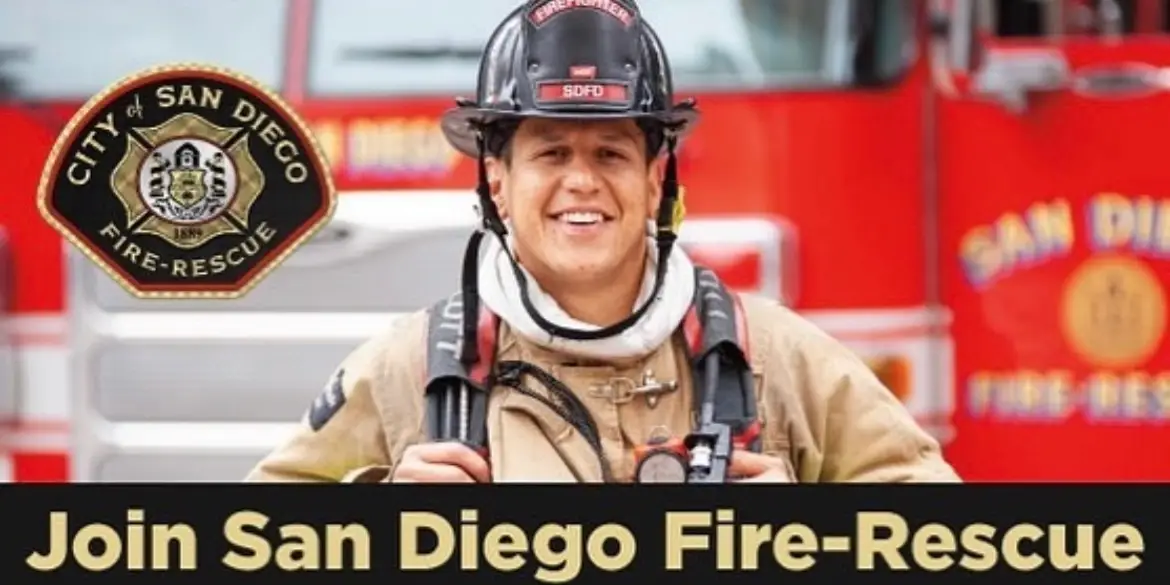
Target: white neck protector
500,291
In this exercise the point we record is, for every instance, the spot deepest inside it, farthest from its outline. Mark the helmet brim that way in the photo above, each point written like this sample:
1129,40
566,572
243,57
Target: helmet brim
460,124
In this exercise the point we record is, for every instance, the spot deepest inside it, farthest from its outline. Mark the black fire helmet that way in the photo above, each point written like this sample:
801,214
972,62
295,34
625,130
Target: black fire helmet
571,59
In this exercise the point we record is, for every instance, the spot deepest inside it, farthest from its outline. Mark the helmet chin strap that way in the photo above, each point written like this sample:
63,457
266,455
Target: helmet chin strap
664,237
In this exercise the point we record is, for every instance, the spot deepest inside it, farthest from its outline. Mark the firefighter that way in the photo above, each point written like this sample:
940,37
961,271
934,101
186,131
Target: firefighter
575,129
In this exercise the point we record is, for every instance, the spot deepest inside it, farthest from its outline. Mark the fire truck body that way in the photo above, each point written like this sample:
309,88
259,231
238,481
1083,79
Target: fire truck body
1054,217
847,164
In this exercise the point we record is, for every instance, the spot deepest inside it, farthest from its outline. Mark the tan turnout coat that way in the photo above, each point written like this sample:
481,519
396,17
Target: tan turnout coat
823,412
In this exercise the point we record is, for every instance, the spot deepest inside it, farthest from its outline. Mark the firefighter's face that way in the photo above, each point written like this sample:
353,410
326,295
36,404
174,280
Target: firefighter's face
578,195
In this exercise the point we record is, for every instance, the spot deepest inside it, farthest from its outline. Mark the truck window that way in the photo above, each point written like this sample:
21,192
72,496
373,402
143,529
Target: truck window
1033,18
375,47
71,49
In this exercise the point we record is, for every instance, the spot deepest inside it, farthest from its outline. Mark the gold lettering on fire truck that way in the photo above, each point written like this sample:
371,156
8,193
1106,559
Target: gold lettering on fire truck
1057,395
329,136
389,146
1043,231
1046,230
1140,225
1112,312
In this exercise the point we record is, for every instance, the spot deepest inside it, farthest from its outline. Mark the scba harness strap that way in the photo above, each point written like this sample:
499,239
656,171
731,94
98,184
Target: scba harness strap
716,331
459,376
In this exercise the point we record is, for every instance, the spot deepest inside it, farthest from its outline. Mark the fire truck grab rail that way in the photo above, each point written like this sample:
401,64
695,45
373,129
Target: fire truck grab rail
1008,77
942,30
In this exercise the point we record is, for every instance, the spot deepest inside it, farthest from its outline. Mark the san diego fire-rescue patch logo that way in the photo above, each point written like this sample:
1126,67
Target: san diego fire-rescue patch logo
186,181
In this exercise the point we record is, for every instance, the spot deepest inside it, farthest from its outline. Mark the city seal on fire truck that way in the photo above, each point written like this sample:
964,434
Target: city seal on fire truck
1114,311
186,181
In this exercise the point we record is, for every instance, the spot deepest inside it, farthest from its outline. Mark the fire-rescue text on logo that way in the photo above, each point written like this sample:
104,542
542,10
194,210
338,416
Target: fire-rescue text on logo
195,267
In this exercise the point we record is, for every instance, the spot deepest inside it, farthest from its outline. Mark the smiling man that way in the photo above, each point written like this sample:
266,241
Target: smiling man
589,348
581,193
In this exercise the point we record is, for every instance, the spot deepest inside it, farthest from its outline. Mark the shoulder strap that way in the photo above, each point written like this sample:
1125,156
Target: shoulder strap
716,324
456,375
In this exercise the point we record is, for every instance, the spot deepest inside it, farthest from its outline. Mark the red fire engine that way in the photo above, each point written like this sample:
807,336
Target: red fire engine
967,192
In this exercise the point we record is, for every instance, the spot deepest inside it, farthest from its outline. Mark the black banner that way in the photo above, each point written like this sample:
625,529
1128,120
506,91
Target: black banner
352,534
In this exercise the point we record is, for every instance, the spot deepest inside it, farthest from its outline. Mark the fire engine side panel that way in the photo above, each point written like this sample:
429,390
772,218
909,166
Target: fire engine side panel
1056,260
27,139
